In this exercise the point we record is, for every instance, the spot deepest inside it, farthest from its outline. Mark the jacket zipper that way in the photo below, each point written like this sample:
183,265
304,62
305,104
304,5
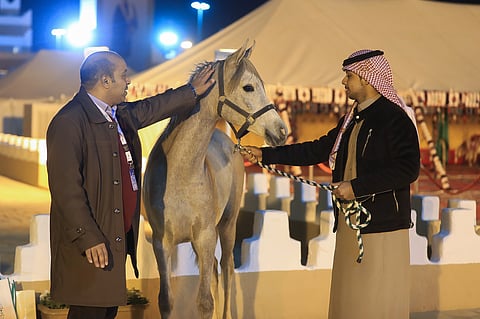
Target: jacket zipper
366,142
395,198
372,196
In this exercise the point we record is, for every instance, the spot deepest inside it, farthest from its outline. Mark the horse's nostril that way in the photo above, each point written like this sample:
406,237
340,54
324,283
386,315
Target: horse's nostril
275,137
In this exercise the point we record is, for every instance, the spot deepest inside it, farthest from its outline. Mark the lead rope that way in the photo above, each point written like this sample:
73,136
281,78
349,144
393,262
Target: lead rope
349,208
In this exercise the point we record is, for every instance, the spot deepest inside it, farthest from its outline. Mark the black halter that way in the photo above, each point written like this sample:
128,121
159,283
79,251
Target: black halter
249,117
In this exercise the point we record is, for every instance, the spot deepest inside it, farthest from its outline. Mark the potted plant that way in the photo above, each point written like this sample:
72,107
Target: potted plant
136,304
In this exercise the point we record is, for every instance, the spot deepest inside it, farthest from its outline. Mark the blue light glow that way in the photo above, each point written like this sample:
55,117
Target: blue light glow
200,5
79,35
168,38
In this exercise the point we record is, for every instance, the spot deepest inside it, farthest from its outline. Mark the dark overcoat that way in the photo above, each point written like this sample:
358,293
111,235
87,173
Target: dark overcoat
84,176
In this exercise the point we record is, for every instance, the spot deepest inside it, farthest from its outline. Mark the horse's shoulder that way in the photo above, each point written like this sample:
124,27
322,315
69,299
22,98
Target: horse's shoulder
220,142
221,147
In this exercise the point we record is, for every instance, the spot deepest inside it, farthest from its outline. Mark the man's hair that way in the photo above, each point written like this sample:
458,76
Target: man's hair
95,66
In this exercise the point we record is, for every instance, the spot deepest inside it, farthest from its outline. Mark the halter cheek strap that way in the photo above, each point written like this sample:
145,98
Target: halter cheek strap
222,100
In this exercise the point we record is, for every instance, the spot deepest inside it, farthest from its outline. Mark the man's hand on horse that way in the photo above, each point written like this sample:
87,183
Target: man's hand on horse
252,154
203,80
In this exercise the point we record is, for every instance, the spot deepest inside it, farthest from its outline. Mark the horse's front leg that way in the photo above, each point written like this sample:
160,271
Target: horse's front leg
227,239
163,252
204,245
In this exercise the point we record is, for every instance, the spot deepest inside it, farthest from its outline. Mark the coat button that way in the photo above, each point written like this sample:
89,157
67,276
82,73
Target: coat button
118,239
111,125
115,154
116,182
116,210
79,230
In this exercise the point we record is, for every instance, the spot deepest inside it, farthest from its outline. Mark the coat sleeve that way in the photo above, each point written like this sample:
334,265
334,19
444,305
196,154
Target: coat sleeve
180,101
70,205
301,154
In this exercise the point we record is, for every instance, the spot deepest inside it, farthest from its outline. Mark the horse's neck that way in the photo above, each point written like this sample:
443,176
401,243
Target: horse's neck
189,141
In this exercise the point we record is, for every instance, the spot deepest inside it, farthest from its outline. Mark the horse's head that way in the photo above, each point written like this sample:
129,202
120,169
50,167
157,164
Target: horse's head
243,102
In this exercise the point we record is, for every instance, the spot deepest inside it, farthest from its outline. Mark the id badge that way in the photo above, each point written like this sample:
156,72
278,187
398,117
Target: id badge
133,179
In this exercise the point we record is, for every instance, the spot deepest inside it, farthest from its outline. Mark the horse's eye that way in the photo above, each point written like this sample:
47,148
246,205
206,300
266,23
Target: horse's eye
248,88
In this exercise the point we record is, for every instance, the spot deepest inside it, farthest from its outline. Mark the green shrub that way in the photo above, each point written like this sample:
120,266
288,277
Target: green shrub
47,301
134,297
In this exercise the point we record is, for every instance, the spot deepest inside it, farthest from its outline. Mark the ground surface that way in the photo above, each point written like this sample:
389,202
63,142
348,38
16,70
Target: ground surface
19,202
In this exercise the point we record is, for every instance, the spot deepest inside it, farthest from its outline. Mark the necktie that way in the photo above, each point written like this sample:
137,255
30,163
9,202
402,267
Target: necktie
129,181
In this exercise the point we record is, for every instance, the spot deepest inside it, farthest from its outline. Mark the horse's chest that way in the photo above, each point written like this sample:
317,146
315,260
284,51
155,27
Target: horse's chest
190,194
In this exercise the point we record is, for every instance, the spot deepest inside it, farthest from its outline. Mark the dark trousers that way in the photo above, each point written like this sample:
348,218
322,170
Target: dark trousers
83,312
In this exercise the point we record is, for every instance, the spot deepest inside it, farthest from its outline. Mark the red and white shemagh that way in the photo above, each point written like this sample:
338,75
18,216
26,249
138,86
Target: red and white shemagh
375,69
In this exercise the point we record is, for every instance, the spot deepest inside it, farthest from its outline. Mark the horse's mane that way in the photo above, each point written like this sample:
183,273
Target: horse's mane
179,118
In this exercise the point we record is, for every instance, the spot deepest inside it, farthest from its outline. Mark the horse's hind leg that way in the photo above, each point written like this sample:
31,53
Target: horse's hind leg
204,245
165,296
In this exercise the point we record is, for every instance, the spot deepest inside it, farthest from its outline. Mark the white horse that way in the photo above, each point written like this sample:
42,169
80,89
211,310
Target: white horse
194,178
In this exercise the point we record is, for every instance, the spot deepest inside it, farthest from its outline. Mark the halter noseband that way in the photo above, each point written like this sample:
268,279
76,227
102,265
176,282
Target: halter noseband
249,117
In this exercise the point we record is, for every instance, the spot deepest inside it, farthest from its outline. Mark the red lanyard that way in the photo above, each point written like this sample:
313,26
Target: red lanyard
128,154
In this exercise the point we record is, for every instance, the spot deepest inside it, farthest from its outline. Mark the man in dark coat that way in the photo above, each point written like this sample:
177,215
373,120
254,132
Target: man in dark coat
374,155
94,173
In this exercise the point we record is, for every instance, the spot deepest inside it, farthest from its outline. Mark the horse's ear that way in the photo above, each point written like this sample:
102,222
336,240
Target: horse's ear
248,52
243,52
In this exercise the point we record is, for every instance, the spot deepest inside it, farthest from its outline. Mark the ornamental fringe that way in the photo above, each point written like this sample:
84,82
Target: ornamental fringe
337,97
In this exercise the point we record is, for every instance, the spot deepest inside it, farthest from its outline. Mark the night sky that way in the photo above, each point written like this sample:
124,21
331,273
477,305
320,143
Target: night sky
221,14
49,14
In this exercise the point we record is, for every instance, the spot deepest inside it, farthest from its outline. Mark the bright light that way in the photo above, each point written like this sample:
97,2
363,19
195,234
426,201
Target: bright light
88,13
78,35
58,32
168,38
186,44
200,5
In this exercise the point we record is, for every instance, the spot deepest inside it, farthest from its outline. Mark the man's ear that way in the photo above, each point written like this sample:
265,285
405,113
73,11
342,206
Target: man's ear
105,81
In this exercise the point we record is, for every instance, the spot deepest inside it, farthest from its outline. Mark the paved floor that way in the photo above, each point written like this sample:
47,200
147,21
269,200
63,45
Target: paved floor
19,202
454,314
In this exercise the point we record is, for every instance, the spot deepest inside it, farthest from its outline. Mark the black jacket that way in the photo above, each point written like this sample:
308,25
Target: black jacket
388,161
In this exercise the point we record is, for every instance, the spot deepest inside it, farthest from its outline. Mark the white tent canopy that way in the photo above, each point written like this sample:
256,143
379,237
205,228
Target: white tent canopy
47,74
430,45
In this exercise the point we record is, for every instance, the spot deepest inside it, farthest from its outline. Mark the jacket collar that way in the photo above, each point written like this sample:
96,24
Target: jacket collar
359,116
93,113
